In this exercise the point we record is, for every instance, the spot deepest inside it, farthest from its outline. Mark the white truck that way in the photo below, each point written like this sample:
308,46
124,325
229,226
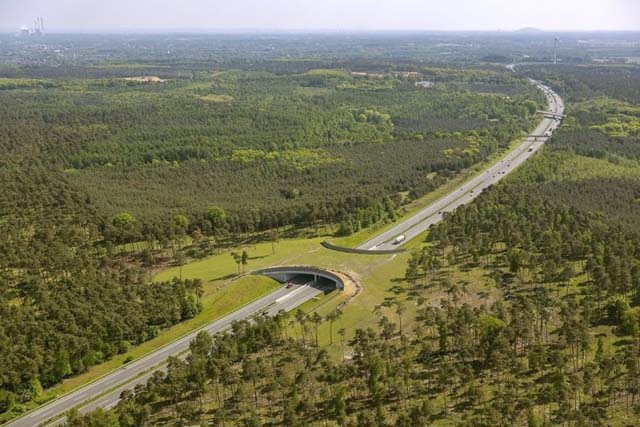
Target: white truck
399,239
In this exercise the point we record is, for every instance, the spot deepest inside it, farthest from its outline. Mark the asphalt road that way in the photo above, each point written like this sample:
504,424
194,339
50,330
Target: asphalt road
140,370
468,191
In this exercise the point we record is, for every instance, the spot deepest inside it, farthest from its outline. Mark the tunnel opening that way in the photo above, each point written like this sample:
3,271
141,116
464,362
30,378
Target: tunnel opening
320,283
300,276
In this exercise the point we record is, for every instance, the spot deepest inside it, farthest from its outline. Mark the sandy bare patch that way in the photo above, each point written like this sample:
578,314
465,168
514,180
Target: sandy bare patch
372,75
145,79
351,286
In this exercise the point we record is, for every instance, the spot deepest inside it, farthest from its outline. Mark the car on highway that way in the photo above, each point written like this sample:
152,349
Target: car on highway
530,149
399,239
289,285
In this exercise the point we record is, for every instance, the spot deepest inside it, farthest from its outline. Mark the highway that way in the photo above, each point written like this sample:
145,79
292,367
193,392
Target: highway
105,392
420,222
140,370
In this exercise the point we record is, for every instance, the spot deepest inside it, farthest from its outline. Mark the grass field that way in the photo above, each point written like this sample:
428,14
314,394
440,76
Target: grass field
377,274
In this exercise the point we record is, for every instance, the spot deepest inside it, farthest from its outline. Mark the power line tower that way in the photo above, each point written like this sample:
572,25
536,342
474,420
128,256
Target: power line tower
555,50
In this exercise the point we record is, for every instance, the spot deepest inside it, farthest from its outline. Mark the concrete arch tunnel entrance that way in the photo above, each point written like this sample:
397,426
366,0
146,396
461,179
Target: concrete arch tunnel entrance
301,284
315,277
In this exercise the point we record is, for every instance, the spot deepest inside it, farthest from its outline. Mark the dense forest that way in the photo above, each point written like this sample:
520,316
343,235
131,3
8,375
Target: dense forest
66,305
211,156
109,141
593,160
562,347
560,243
257,145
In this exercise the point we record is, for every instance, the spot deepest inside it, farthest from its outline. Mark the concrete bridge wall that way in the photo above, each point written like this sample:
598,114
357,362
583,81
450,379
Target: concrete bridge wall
284,274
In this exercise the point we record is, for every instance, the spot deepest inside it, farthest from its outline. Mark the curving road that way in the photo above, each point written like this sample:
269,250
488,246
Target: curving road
468,191
105,392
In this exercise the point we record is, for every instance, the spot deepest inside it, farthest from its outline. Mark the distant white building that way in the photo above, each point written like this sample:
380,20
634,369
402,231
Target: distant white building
24,31
425,84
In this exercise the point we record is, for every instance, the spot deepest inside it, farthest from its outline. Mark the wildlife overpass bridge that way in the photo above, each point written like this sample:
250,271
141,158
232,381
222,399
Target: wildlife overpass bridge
551,114
320,277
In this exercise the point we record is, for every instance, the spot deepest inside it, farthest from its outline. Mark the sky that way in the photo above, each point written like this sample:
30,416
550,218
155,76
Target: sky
318,15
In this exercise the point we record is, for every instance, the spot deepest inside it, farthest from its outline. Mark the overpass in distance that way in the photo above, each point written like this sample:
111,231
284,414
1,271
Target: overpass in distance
551,114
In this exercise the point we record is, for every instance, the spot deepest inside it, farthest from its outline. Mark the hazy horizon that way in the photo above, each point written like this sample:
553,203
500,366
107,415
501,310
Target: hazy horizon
301,31
201,16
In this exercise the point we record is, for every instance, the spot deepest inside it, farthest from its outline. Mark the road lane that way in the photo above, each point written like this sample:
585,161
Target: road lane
468,191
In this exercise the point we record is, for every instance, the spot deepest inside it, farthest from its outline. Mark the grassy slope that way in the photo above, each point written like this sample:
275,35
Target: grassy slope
376,273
